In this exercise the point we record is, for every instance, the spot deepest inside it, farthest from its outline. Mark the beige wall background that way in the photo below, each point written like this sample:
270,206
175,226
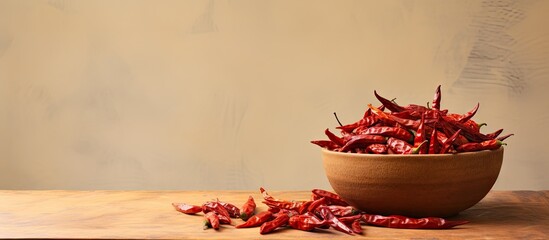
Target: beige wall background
227,94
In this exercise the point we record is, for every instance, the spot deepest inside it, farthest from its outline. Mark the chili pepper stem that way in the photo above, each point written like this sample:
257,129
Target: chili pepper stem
335,114
416,149
206,225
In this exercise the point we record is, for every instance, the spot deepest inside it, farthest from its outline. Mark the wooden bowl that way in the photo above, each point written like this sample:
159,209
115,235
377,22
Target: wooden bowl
437,185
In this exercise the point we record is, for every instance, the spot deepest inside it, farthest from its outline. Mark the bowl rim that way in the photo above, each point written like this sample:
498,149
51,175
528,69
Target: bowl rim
435,156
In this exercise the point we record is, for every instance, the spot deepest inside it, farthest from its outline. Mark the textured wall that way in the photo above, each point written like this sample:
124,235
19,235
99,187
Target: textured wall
227,94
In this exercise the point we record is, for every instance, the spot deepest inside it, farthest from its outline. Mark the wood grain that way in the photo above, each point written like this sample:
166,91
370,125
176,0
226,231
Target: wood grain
149,215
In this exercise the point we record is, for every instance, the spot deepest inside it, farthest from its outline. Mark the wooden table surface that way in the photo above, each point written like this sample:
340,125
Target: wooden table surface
149,215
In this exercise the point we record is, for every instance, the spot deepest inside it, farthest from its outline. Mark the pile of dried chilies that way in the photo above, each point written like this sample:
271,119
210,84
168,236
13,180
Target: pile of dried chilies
412,129
324,210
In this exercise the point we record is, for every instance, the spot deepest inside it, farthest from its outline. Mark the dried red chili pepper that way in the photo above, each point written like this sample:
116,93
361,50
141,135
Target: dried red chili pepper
398,146
256,220
473,126
409,123
316,203
233,210
355,226
361,141
248,209
211,220
449,141
331,198
187,208
343,211
433,143
413,111
417,109
273,209
396,221
335,139
376,148
365,122
327,223
436,99
504,137
393,107
222,213
304,207
306,222
420,137
395,132
486,145
494,134
402,147
449,129
470,134
287,212
349,219
325,144
283,204
270,226
406,114
467,116
324,211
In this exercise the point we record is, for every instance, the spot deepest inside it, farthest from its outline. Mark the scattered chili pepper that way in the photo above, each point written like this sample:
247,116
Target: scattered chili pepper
233,210
316,203
334,221
349,219
224,216
289,212
305,206
306,222
211,220
256,220
396,221
273,209
343,211
187,208
342,218
355,226
270,226
282,204
248,209
331,198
